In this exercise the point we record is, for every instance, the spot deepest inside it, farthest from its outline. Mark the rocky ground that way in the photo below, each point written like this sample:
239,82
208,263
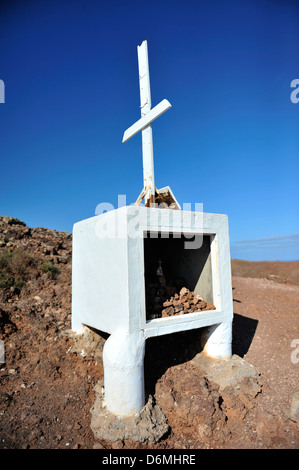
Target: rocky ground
50,380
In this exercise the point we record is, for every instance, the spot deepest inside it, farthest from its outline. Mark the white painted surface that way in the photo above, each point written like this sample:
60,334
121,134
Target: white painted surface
217,340
144,124
147,135
123,357
153,114
109,291
100,290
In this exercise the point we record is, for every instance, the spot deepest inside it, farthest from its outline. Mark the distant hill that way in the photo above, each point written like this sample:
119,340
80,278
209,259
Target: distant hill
280,271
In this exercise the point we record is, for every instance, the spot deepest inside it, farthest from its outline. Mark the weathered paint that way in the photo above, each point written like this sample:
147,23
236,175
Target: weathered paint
123,357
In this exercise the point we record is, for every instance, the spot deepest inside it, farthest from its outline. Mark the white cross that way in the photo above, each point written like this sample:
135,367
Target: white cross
148,115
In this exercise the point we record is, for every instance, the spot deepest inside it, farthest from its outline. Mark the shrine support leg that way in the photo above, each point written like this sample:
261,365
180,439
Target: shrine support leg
217,340
123,359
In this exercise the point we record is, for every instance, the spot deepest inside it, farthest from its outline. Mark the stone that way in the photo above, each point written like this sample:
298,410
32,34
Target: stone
149,424
178,308
267,425
184,291
199,297
35,434
294,408
98,445
12,221
210,307
201,304
190,295
90,341
235,372
62,259
167,312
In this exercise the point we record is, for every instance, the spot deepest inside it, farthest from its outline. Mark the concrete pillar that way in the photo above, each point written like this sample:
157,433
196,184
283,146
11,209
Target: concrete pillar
123,359
217,340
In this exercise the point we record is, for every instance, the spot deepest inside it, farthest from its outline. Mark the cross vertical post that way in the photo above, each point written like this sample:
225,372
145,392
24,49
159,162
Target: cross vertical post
148,115
147,134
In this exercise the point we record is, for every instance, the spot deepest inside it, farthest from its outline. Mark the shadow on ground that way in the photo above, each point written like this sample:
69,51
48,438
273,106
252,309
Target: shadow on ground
163,352
243,332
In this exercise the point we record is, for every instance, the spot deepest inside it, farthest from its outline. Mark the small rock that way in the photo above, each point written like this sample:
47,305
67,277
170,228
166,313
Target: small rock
34,419
178,308
210,307
267,425
12,220
24,415
35,434
201,304
184,292
98,445
167,312
199,297
149,424
294,408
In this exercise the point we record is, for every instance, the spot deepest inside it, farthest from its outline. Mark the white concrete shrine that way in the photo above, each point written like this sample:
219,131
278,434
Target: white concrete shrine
111,254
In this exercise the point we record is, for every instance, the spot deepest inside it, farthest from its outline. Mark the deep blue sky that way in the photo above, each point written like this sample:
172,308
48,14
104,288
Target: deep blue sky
230,140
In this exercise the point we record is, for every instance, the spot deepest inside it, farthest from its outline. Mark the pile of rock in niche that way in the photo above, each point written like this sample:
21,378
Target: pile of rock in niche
161,305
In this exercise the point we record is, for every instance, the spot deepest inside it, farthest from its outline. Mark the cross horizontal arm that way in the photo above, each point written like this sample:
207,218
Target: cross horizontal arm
147,119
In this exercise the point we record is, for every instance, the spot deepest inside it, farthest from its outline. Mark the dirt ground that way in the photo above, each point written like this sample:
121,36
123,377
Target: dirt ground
47,380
